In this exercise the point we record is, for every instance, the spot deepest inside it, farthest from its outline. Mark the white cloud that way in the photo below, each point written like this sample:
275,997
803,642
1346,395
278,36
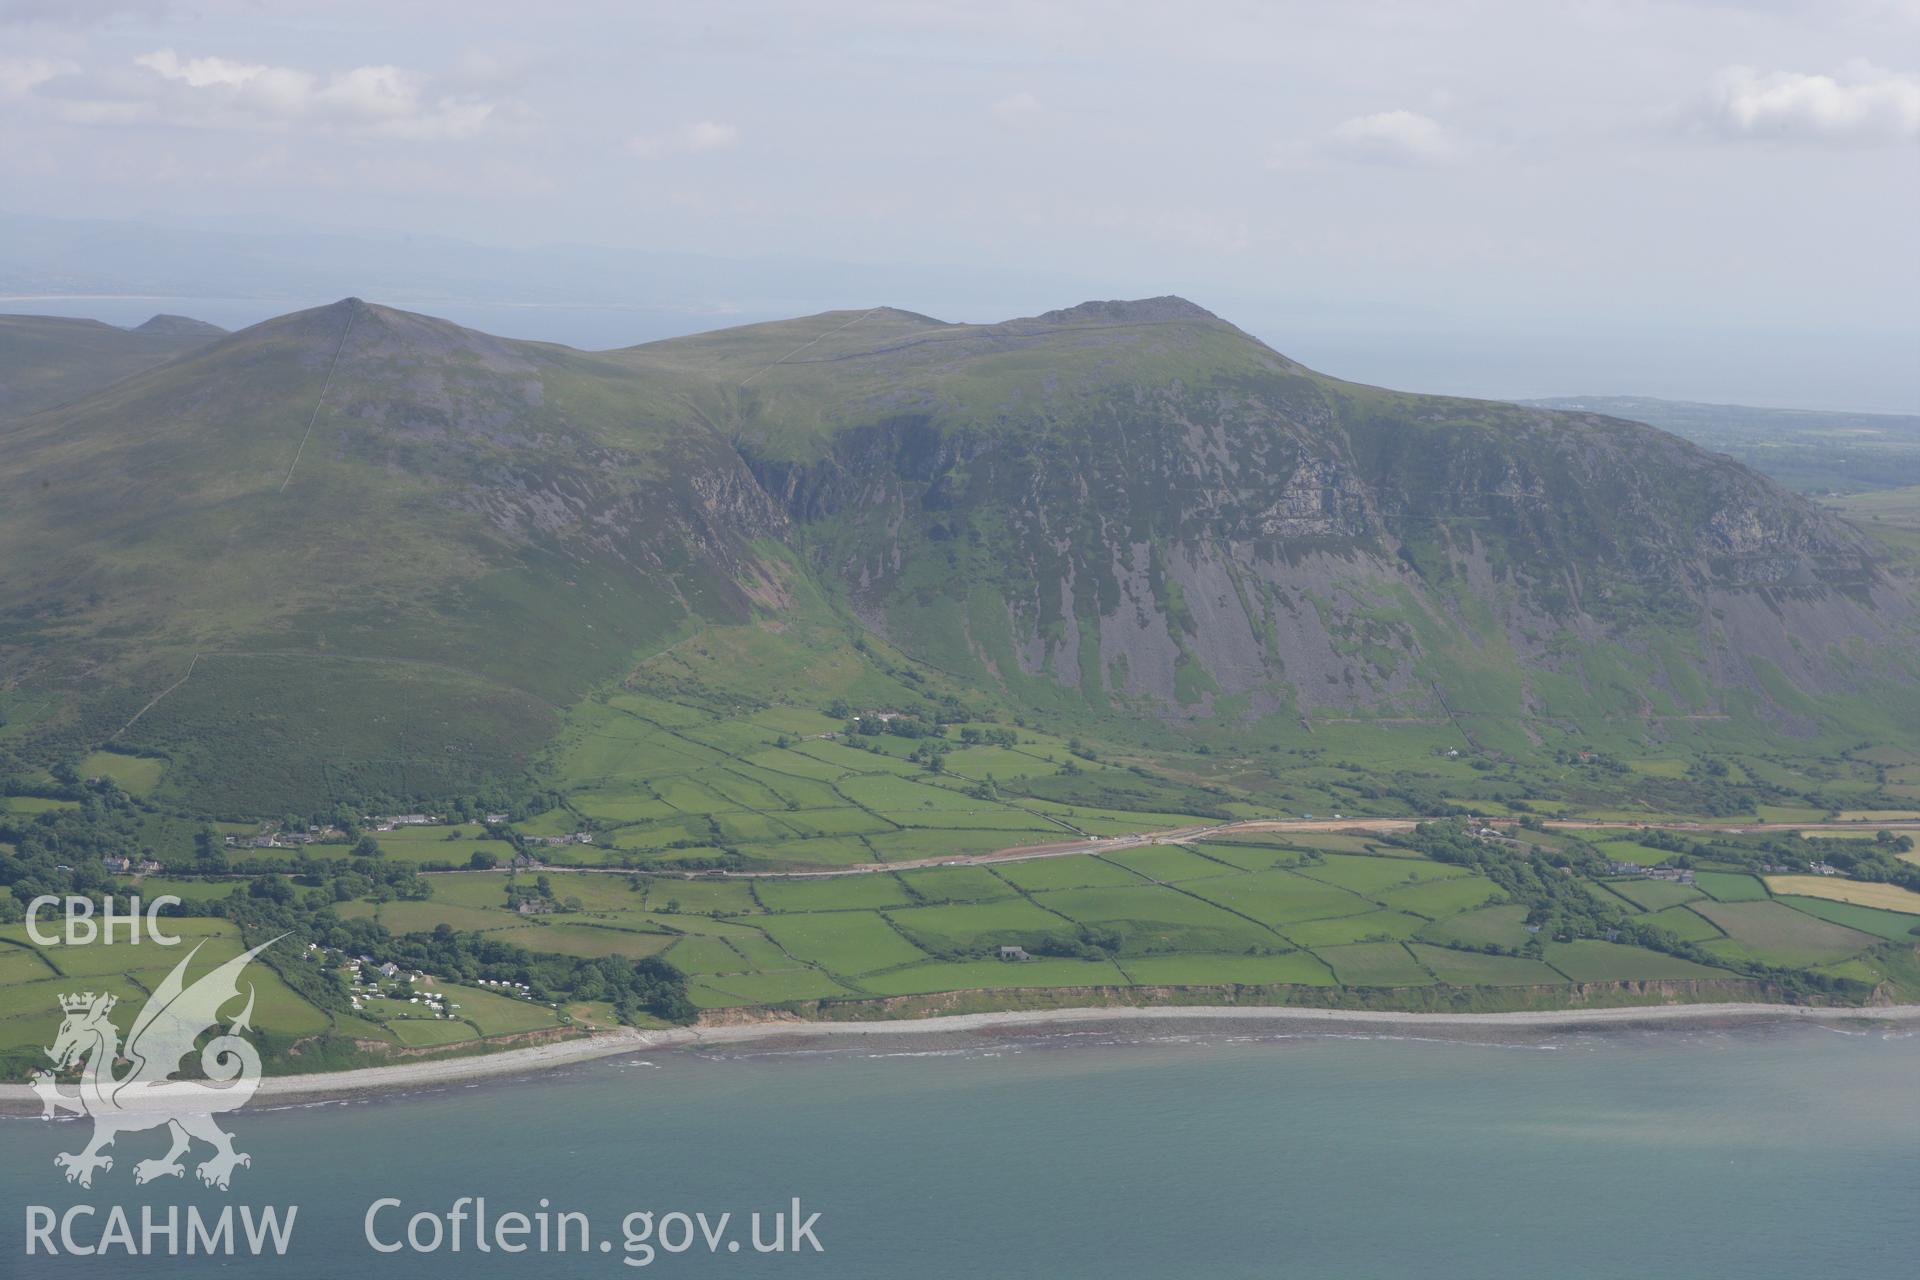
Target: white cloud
394,103
252,87
1863,103
1015,108
21,76
711,135
1396,137
223,93
705,135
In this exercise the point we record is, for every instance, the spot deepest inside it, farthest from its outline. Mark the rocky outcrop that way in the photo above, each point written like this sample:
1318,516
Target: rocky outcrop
1231,525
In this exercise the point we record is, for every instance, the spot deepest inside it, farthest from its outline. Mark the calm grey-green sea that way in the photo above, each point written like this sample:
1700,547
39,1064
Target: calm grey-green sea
1135,1150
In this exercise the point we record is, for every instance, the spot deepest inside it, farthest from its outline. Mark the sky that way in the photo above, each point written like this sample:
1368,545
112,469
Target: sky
1696,200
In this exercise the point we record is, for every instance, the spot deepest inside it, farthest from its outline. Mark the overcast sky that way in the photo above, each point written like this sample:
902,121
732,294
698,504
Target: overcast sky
1704,200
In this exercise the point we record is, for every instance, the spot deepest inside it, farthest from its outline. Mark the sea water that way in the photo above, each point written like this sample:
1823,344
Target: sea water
1129,1150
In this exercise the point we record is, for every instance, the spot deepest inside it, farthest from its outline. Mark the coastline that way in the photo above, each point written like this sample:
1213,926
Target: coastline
18,1100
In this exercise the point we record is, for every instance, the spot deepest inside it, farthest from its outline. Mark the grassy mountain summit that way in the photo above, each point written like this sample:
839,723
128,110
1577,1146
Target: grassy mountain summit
380,542
358,548
50,360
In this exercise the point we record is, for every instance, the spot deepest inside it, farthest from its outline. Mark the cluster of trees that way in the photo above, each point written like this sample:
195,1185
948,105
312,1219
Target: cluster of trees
991,736
348,814
59,853
1876,860
1549,884
1602,761
900,726
929,725
928,720
931,754
540,891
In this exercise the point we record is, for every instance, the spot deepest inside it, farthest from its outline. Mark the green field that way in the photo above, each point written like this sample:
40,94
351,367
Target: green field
1156,918
1375,876
33,978
36,804
1724,886
1376,964
956,884
1066,873
1439,899
1281,897
1368,926
1170,863
1782,935
957,925
1323,912
772,987
492,1014
1652,895
1684,923
1503,926
1894,925
590,940
842,893
136,774
22,964
1595,961
1472,969
1299,967
978,975
843,942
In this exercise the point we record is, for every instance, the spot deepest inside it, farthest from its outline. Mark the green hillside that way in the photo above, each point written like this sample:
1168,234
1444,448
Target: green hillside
410,576
51,360
724,673
355,553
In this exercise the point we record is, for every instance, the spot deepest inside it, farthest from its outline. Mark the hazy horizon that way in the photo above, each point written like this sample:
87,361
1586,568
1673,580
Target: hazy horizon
1686,200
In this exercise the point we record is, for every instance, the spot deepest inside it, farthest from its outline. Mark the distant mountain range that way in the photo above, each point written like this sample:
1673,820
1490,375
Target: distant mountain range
369,542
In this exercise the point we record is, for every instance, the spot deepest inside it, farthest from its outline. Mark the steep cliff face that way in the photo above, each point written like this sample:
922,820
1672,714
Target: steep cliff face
1139,502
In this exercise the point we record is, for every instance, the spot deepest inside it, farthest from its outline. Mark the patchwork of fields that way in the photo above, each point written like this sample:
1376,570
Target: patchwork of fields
1312,910
644,796
1308,911
661,782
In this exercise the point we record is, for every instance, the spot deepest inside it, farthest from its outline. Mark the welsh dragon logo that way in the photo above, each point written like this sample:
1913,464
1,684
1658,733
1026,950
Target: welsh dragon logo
166,1031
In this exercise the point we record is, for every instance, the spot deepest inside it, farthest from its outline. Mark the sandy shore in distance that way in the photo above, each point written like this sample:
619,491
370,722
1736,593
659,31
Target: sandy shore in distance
17,1099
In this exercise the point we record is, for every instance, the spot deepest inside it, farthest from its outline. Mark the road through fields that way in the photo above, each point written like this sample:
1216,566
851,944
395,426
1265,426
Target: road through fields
1252,826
